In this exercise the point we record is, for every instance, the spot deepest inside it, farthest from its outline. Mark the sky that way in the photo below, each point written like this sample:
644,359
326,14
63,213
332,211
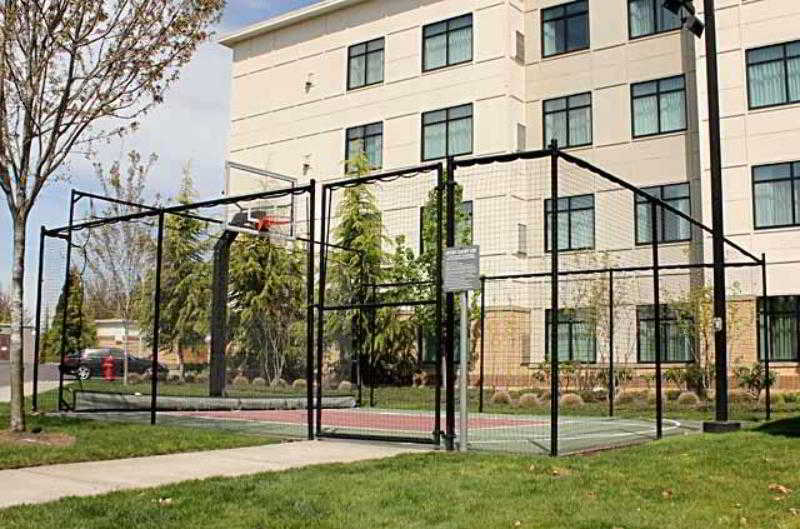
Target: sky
191,126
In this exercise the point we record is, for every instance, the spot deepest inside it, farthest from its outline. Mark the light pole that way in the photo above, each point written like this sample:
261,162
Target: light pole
686,9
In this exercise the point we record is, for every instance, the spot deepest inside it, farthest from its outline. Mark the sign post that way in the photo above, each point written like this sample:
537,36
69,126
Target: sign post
461,273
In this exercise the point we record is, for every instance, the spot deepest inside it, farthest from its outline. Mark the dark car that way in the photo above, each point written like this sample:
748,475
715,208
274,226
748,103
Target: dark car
89,363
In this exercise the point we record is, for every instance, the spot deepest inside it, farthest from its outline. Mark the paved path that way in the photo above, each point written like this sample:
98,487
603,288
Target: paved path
48,483
44,385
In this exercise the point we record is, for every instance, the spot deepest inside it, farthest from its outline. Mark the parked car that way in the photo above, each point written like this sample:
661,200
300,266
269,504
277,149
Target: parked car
89,363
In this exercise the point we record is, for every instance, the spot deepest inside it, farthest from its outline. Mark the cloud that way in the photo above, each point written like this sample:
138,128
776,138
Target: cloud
191,125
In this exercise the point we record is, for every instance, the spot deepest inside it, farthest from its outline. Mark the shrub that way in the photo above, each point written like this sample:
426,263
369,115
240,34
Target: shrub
528,400
673,394
189,377
279,383
740,397
754,378
630,397
259,381
174,379
600,395
688,400
501,397
588,396
651,397
345,385
201,378
241,380
571,400
790,398
135,378
777,399
300,383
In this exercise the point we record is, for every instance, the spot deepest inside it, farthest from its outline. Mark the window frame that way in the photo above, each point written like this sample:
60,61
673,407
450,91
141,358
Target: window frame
661,236
566,111
668,314
794,179
658,94
784,60
366,56
759,323
364,138
564,17
447,122
571,210
447,32
573,320
655,18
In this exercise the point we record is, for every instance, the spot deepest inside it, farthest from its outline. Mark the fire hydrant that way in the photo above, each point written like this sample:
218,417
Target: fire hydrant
108,368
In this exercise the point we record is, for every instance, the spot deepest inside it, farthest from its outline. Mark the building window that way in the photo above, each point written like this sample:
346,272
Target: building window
447,43
366,140
520,56
447,132
773,75
776,195
671,227
676,335
659,106
522,239
576,336
568,120
783,313
648,17
522,137
365,64
575,223
565,28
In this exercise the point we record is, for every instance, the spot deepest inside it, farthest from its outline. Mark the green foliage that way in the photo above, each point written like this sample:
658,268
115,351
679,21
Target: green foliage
268,307
5,306
675,376
81,332
754,378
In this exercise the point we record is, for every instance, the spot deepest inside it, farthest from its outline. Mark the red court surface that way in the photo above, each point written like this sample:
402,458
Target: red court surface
359,418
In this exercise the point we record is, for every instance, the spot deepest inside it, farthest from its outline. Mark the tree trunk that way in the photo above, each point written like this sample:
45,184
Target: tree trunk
17,325
125,356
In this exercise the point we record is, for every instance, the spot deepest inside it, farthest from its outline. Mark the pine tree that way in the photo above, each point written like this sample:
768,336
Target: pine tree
81,332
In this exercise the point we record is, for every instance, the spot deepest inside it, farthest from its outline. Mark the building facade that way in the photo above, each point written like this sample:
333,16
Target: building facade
616,82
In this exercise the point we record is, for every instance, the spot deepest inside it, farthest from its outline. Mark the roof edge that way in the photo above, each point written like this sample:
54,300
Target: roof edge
292,17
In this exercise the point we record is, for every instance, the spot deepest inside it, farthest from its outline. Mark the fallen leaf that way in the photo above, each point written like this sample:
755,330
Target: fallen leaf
666,494
532,468
517,523
742,521
780,489
794,512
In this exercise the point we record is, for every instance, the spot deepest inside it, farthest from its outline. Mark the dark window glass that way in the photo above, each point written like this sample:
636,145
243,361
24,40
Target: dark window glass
464,225
367,140
568,120
647,17
447,43
576,336
575,222
783,314
447,132
671,227
776,195
773,75
659,106
565,28
365,64
676,335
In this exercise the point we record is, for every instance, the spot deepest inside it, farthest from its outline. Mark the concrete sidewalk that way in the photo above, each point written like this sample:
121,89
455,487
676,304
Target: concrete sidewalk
44,385
48,483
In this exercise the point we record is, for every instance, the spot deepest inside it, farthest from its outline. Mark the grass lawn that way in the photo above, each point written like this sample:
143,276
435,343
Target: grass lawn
90,440
680,483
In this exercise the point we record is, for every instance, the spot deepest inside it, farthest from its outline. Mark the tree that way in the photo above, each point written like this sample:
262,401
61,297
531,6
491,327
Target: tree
118,255
185,283
67,69
80,329
5,306
268,305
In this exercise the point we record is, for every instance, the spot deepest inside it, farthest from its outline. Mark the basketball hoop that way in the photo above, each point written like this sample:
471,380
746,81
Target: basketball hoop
266,223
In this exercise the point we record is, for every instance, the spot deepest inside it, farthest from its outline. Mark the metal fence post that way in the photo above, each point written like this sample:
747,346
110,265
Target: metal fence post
323,254
156,319
483,331
440,189
67,286
554,301
38,330
310,309
767,334
450,405
657,317
611,382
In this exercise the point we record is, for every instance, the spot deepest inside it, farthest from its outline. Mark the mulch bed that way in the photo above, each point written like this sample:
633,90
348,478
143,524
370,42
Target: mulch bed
42,439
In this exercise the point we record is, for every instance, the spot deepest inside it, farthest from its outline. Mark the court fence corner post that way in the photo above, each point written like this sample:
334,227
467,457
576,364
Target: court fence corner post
312,193
554,301
156,320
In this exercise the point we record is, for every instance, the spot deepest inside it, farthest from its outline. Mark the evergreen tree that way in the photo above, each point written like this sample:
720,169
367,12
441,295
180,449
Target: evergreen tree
81,332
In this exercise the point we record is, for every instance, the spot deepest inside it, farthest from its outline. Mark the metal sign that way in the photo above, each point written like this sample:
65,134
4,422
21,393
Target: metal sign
461,268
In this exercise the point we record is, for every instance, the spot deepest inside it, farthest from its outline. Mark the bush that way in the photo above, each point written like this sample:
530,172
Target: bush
201,378
135,378
588,396
754,378
673,394
790,398
777,399
345,385
174,379
651,398
279,383
688,399
300,383
630,397
189,377
600,395
240,380
528,400
571,400
501,397
741,397
259,381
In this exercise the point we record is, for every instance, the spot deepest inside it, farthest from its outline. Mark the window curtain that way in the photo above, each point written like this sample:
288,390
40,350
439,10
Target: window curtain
675,227
644,229
460,136
375,67
460,42
793,68
673,111
436,51
357,71
555,126
646,341
583,229
645,115
553,37
767,86
563,341
784,334
773,204
641,13
563,231
578,32
435,141
583,340
666,19
580,126
374,151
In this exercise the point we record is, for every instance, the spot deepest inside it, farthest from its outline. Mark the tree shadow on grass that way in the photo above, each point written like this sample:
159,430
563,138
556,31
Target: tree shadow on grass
784,427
